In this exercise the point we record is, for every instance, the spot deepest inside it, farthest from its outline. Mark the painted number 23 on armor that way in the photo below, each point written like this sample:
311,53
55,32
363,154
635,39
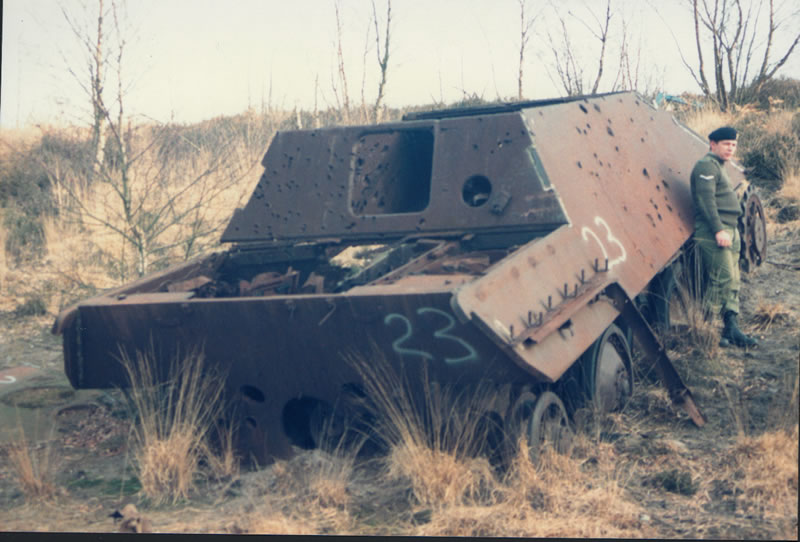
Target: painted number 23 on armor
400,345
586,230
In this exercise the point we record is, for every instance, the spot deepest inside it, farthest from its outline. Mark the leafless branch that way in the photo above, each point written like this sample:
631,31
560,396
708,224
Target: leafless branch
340,62
526,23
383,57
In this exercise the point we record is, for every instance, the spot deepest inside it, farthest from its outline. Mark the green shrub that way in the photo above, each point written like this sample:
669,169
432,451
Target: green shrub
67,145
24,183
25,240
32,306
783,92
769,153
790,213
26,196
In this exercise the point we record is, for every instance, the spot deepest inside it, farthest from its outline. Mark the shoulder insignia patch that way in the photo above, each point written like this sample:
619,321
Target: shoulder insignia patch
707,177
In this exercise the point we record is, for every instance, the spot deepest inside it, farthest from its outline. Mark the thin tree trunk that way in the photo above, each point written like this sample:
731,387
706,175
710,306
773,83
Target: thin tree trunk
383,61
98,128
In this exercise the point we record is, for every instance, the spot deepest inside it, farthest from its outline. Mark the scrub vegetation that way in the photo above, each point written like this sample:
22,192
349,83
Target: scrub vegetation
174,422
33,468
640,473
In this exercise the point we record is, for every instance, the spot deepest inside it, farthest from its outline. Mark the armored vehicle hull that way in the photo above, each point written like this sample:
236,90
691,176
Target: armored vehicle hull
514,237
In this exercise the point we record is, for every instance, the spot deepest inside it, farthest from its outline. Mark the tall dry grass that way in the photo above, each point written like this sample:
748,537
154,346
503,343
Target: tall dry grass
439,452
447,481
768,314
764,468
180,186
438,438
706,119
554,498
310,494
33,468
791,184
768,144
778,121
167,203
176,411
325,488
691,323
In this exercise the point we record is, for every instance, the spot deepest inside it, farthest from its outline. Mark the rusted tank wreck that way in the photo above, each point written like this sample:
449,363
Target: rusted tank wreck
522,240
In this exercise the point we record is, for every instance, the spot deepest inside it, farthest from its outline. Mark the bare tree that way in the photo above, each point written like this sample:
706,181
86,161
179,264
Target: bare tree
153,203
382,49
343,102
364,115
630,57
383,56
151,191
93,85
737,39
526,22
569,68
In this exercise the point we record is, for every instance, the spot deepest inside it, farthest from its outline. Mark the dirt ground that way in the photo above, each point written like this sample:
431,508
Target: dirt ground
680,477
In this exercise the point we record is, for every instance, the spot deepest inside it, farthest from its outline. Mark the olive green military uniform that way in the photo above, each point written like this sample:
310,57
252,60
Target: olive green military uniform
716,207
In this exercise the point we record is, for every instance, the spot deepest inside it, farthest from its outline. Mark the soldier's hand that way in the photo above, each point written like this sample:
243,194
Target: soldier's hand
723,239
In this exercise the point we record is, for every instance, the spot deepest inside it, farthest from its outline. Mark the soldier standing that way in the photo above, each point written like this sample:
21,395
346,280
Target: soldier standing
716,213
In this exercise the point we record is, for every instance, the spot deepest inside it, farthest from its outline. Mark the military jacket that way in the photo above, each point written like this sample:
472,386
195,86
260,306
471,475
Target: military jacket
715,203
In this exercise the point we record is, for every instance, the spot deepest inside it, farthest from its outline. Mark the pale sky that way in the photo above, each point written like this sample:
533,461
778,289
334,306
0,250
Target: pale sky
189,60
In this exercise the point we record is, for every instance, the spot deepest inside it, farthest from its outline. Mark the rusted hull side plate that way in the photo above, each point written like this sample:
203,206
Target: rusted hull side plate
621,171
275,350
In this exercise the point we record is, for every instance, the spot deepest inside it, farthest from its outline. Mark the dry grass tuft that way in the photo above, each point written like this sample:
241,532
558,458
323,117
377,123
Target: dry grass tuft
329,492
766,469
434,450
778,121
690,319
310,494
439,478
791,184
767,314
703,333
274,523
167,465
33,469
437,438
175,414
705,120
475,521
554,498
328,480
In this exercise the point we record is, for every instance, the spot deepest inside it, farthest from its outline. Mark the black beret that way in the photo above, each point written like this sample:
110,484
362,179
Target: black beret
726,132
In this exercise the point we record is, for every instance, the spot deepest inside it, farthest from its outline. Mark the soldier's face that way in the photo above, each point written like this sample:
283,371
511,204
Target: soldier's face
724,149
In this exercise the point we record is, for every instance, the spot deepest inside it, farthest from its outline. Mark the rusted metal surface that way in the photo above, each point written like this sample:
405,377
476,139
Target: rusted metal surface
284,348
515,236
656,353
432,178
620,170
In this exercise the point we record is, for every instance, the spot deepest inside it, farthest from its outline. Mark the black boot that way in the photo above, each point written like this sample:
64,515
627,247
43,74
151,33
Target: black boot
731,334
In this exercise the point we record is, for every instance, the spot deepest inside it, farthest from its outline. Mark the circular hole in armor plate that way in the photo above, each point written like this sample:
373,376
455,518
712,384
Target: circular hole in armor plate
252,393
476,190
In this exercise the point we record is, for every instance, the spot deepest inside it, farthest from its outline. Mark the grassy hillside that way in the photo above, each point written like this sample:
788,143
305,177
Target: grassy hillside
69,229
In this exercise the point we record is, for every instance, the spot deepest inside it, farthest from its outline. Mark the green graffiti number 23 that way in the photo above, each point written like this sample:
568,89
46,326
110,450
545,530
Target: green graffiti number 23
442,333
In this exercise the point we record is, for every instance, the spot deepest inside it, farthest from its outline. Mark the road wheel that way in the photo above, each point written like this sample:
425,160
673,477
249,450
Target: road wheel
609,378
548,425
